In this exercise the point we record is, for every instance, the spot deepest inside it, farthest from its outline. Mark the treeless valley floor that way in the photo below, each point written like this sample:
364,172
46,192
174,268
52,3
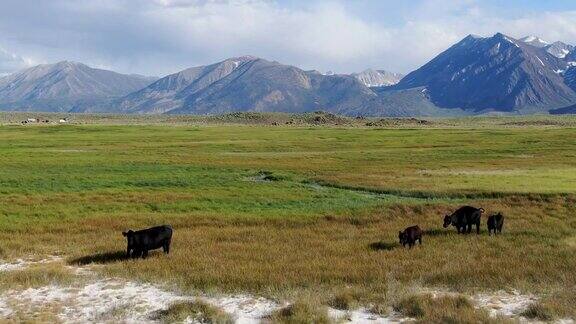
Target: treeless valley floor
306,213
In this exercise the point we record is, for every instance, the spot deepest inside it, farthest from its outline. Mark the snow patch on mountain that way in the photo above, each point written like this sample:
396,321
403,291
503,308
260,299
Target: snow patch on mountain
559,49
534,41
378,78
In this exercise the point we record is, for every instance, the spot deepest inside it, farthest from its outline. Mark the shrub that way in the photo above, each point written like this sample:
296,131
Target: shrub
538,311
198,311
301,313
444,309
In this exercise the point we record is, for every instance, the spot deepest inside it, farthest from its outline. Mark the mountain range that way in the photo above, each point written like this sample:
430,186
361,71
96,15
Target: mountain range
65,86
493,74
246,84
558,49
497,74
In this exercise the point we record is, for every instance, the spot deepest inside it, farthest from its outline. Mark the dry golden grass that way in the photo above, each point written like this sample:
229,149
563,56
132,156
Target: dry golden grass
38,276
197,311
259,255
275,256
301,312
560,304
30,314
538,311
445,309
347,299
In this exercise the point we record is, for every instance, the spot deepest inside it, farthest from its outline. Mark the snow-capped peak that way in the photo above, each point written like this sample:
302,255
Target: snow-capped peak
559,49
534,41
529,39
378,78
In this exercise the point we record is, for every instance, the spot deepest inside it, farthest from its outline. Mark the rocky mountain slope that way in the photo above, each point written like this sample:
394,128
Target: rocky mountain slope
558,49
248,84
495,73
64,86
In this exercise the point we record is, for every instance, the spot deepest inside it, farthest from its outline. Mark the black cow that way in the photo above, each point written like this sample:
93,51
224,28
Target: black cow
464,218
140,242
410,236
495,223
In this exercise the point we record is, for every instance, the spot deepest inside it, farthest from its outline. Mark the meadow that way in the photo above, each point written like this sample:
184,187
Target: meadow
302,210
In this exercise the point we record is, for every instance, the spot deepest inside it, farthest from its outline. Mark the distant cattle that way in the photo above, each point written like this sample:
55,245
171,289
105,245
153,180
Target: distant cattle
140,242
410,235
464,218
495,223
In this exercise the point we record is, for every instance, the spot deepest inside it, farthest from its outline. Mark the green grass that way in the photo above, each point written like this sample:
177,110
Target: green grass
290,210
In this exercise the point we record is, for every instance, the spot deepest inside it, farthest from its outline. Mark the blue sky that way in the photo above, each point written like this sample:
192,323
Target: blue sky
157,37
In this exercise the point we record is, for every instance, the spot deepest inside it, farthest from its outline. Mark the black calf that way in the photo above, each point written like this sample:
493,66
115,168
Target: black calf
410,236
495,223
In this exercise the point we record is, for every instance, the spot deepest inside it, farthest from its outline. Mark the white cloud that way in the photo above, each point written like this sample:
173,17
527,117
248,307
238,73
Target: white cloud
10,62
162,36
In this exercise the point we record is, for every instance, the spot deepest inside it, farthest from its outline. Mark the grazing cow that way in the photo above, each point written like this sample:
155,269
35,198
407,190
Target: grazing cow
410,236
495,223
140,242
464,218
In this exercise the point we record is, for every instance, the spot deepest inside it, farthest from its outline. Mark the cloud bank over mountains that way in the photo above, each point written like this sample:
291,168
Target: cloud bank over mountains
10,62
165,36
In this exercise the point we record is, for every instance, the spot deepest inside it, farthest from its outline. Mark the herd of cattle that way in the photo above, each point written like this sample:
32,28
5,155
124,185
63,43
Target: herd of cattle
140,242
44,121
463,219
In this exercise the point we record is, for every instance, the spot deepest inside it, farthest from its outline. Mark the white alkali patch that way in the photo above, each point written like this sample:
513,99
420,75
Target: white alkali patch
504,303
20,264
117,300
363,315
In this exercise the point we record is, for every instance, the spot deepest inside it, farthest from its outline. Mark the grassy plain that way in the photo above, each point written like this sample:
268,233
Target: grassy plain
293,209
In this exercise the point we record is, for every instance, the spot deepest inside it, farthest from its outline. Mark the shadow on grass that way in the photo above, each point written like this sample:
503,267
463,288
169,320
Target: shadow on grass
386,246
101,258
